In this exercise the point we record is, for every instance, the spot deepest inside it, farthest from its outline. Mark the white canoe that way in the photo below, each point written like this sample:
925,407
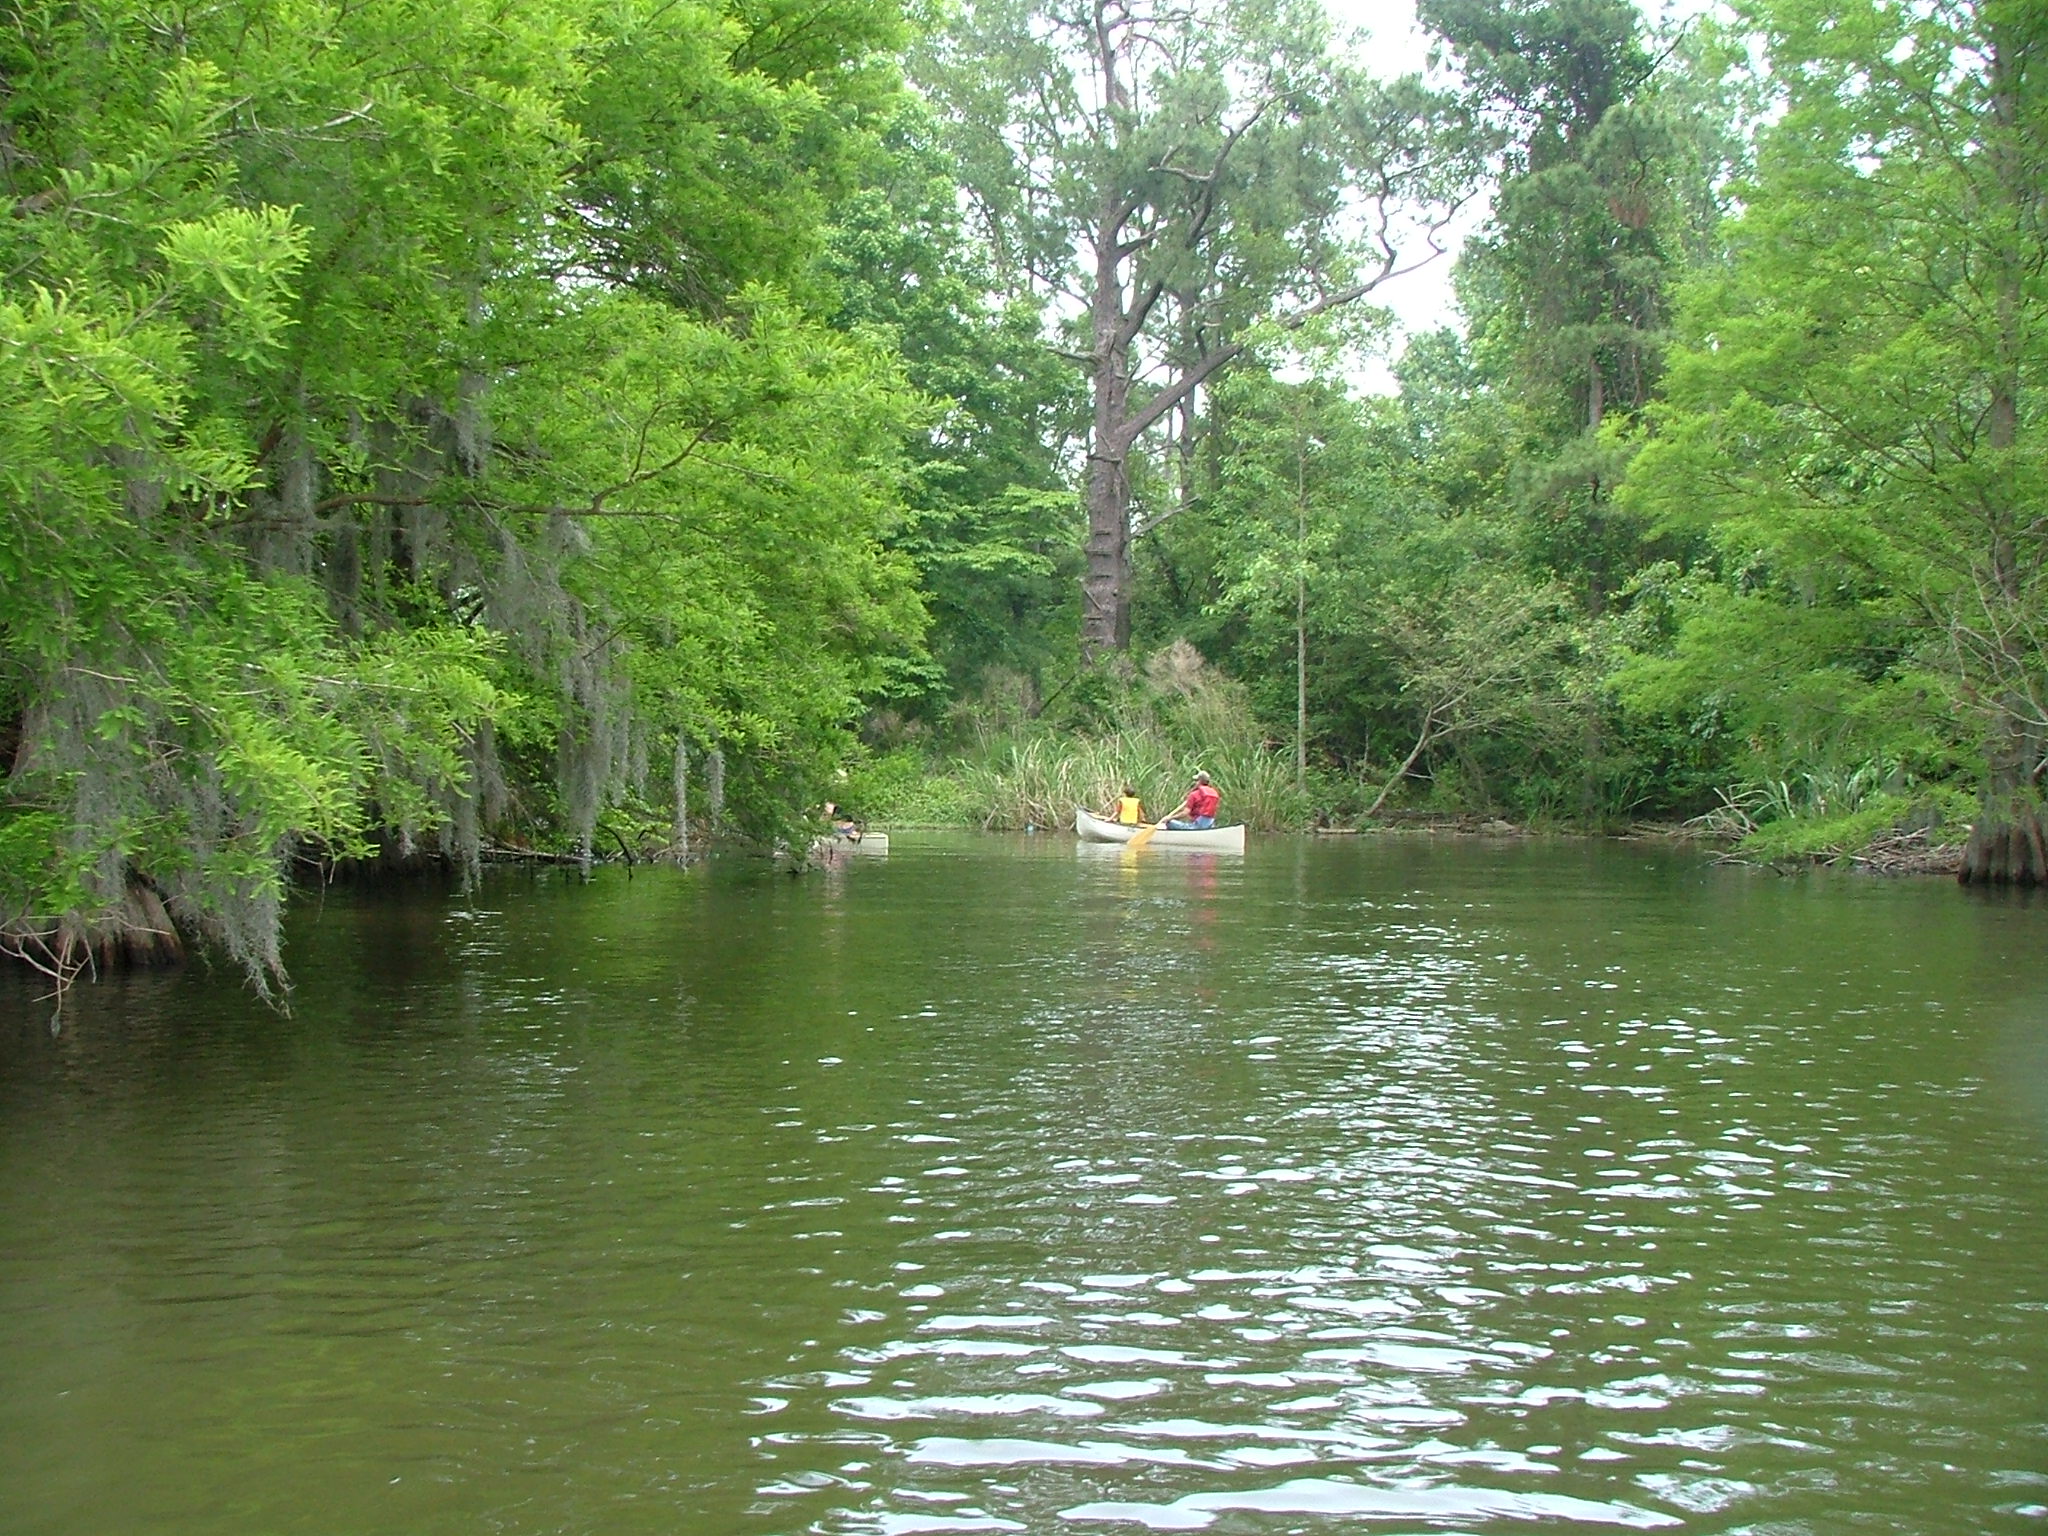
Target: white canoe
1093,829
838,845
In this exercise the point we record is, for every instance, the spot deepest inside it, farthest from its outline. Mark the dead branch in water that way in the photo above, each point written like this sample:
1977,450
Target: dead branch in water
1909,853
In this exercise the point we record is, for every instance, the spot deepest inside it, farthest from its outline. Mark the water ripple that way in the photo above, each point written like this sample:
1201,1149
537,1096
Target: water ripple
1412,1186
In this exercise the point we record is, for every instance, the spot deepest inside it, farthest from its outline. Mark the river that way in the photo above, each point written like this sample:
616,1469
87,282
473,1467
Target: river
1393,1185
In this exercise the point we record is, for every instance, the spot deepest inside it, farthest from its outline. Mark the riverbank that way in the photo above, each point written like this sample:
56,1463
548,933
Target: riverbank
1910,852
1913,851
1034,786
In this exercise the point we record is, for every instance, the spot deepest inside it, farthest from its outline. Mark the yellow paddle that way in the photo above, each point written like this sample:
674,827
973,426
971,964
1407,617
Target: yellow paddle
1145,835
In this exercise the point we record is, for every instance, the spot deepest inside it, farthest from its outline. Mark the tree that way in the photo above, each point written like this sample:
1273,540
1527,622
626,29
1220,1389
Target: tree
1617,142
714,143
988,522
1854,417
1493,654
1358,550
1181,177
1297,506
366,480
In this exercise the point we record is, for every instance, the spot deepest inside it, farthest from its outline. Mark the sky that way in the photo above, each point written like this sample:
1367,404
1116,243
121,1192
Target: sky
1396,45
1392,25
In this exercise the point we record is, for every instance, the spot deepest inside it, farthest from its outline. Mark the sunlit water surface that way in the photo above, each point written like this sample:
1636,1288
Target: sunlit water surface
1390,1186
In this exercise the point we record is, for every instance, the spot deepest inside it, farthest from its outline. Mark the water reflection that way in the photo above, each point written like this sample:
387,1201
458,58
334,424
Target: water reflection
995,1188
1456,1261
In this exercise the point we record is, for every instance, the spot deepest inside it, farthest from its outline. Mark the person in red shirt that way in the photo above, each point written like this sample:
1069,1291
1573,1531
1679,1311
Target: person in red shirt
1198,810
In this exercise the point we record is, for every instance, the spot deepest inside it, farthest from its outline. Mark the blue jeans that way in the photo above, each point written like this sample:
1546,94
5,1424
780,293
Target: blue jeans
1192,824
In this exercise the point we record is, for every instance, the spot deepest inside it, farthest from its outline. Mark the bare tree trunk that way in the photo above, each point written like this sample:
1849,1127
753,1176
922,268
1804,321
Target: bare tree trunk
1106,580
135,931
681,840
1301,610
1300,684
2007,843
714,785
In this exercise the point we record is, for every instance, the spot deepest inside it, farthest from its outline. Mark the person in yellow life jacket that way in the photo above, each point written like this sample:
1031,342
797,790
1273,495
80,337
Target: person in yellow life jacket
1130,810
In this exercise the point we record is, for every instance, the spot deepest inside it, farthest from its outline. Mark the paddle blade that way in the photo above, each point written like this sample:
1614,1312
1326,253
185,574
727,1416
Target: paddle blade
1144,836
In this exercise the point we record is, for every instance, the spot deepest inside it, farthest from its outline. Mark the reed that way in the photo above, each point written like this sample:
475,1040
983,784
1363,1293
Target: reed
1152,731
1024,781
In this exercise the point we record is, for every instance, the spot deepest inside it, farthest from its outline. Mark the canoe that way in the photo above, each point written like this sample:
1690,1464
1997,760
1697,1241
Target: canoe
836,845
1093,829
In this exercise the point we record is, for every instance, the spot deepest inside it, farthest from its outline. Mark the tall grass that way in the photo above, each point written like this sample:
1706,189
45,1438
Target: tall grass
1152,732
1037,780
1829,810
1181,718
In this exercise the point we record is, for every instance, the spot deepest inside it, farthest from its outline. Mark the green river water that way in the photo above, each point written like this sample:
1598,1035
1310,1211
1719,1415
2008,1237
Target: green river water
1400,1185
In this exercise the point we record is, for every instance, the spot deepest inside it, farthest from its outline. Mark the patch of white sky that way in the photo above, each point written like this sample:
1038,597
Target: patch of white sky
1385,36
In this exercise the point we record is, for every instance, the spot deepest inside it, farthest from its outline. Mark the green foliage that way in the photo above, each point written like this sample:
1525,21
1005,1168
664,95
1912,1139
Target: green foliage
418,426
1819,820
1787,689
1852,422
901,788
1374,537
714,142
1026,781
1615,144
413,421
989,523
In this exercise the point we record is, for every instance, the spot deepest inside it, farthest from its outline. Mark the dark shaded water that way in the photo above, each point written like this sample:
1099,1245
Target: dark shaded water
1395,1186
